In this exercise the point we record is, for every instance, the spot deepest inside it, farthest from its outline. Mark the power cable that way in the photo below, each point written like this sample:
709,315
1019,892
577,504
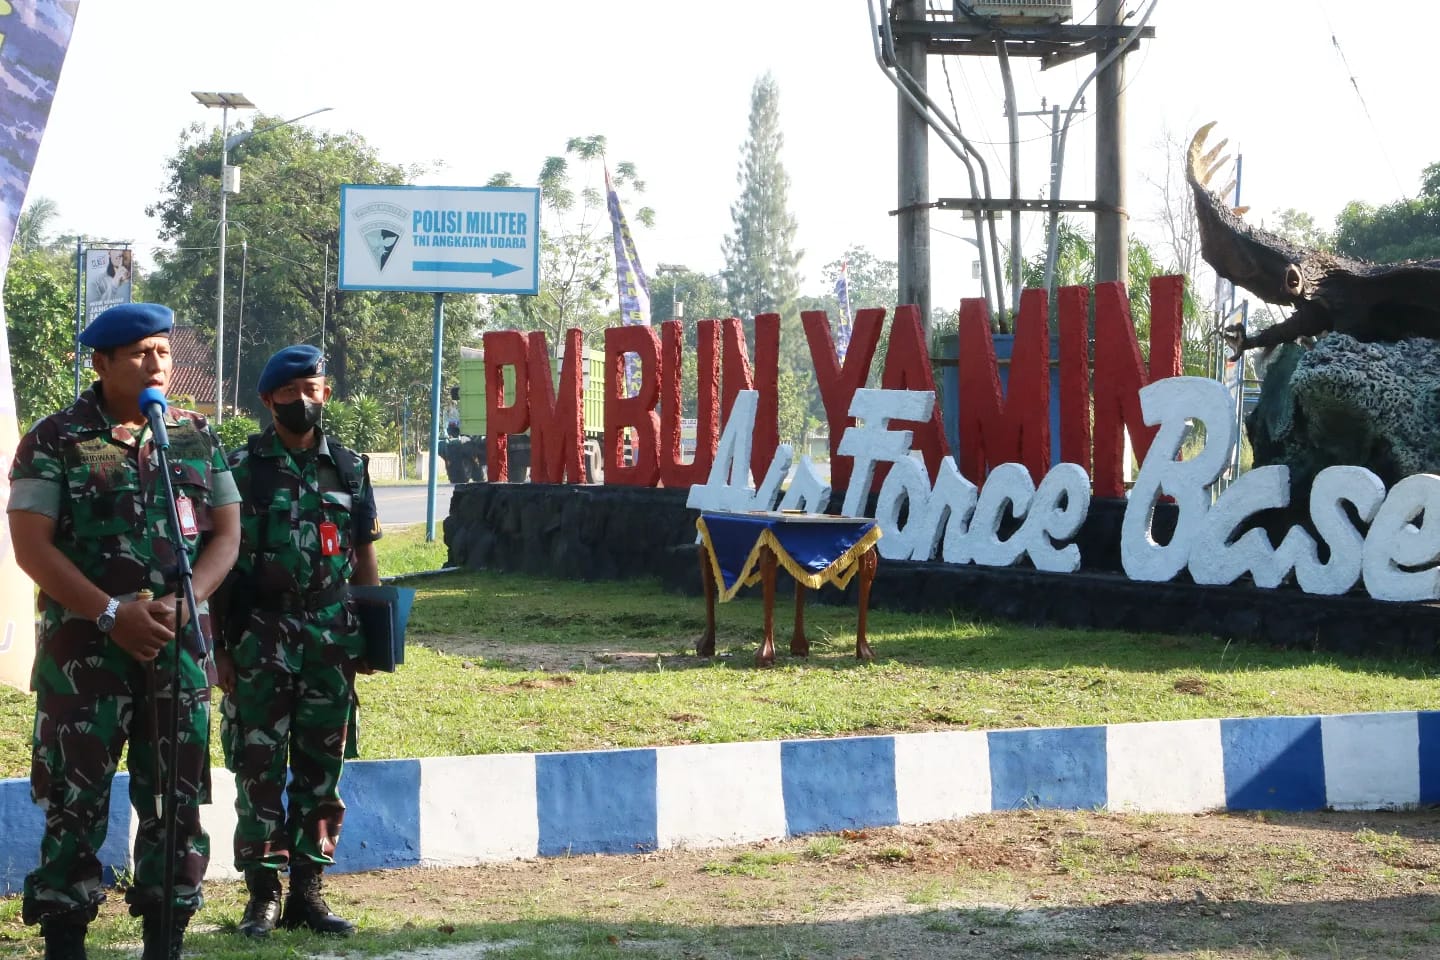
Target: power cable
1364,107
980,114
259,250
969,90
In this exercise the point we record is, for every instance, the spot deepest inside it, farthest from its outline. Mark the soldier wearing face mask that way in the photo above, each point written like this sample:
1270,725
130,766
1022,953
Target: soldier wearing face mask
290,645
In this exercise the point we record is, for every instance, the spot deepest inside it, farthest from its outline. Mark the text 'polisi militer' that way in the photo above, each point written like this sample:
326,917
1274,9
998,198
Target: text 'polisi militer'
481,229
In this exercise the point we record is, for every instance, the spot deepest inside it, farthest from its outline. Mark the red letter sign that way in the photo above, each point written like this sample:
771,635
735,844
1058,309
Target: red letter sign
765,381
838,383
637,411
674,473
1120,373
503,348
907,367
1015,427
557,424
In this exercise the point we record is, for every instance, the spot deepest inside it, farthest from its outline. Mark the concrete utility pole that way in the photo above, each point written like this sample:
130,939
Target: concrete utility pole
914,175
1112,234
1052,114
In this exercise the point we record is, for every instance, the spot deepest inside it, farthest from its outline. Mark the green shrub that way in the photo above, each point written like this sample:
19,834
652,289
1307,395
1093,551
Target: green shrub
235,430
341,423
374,429
361,423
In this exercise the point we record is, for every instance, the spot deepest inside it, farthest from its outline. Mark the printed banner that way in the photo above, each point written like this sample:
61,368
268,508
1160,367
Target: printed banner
108,279
33,37
630,277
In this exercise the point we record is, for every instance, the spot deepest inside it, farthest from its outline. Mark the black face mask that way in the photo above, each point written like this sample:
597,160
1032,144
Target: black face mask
299,416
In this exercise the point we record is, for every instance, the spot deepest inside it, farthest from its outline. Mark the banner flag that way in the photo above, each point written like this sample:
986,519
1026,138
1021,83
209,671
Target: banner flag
34,35
634,287
842,293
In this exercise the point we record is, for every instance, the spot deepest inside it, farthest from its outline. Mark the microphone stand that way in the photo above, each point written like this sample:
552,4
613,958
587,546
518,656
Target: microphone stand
185,575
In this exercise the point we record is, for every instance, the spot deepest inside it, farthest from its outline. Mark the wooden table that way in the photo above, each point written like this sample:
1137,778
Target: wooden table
741,549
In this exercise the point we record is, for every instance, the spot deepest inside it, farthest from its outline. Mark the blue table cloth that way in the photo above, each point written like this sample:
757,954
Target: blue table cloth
815,549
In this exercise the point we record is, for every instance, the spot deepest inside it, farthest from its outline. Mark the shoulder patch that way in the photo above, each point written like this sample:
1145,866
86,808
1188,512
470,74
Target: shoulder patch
189,441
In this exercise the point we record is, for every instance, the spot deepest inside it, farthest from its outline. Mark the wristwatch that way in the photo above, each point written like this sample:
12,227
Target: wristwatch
106,620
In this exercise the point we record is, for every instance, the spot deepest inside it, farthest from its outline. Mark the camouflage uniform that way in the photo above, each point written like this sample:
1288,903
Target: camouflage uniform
295,654
98,481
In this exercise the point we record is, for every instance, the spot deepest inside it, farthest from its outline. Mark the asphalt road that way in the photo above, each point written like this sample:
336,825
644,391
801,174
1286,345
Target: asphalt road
403,505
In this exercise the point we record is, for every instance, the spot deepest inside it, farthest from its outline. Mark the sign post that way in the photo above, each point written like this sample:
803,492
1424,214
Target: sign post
434,417
439,240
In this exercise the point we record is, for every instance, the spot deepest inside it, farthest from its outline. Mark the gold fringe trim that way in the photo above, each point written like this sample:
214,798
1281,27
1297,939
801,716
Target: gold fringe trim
840,571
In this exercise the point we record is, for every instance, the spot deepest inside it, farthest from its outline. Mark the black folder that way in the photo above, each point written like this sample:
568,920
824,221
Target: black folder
384,612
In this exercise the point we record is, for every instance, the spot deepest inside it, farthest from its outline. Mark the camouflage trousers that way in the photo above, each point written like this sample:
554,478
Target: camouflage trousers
75,754
291,715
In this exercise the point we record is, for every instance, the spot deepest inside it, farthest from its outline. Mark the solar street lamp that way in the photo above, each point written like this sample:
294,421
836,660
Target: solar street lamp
229,183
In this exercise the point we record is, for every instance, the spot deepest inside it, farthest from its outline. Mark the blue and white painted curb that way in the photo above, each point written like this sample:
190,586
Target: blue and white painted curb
454,811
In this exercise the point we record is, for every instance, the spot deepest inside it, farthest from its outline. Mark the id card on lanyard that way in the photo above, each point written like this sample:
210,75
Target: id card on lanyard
185,511
329,539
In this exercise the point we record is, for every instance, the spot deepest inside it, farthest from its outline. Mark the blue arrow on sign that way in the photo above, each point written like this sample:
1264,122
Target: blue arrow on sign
496,268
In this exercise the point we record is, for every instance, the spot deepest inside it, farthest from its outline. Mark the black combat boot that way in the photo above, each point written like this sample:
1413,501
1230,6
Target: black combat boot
263,910
65,935
152,925
305,907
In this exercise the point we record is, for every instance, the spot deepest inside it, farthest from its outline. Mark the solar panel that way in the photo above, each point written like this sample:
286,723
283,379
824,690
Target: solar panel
211,99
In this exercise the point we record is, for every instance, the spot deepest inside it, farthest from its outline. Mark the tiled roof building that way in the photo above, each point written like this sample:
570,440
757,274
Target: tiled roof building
192,373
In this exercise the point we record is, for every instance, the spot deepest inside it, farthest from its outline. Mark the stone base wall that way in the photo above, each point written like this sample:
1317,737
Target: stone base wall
570,531
607,533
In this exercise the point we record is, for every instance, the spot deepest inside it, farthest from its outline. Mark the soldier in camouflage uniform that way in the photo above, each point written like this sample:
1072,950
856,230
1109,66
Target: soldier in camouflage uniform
293,644
90,526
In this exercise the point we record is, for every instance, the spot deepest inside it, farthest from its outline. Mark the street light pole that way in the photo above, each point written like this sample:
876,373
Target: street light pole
240,317
230,183
220,274
224,101
677,311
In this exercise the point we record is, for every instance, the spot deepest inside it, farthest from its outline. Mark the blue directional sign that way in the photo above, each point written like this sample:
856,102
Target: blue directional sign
440,239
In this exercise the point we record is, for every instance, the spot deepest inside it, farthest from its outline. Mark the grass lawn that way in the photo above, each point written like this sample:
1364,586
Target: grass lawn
507,663
403,550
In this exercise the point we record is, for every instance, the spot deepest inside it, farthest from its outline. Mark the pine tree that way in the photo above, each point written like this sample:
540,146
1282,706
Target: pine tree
761,266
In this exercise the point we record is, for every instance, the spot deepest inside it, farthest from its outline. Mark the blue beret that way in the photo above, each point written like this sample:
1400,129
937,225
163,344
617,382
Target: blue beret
125,323
302,360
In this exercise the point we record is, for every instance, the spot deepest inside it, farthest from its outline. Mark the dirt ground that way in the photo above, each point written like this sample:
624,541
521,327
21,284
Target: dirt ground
579,657
1025,884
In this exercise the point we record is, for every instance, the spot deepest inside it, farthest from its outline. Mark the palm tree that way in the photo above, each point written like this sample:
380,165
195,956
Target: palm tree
33,226
1075,266
1074,263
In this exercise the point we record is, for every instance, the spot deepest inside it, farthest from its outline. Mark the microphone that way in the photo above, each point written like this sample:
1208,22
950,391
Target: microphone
153,405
